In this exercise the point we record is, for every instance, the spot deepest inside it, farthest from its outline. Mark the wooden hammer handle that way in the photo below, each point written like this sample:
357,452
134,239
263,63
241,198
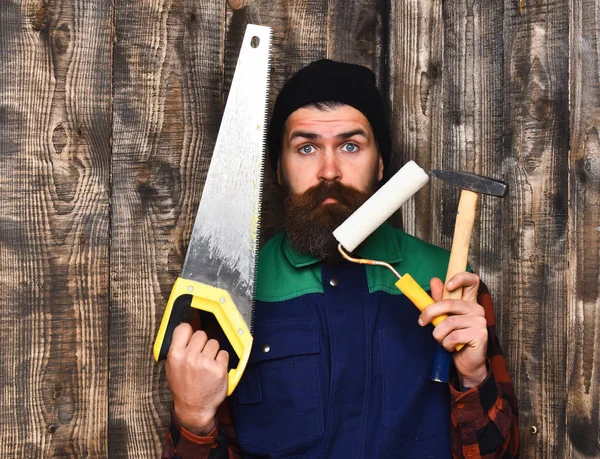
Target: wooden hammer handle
461,241
459,253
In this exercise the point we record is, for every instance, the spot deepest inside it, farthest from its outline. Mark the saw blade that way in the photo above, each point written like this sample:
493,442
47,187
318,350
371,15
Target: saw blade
224,242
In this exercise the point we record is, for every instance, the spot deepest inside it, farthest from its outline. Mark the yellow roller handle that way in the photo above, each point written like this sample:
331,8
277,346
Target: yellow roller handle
216,301
420,298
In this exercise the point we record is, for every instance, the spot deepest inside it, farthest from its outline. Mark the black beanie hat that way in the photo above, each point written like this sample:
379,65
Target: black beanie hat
327,80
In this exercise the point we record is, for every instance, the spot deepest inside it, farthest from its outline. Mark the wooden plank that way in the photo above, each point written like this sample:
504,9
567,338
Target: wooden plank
54,181
356,32
472,126
168,75
415,95
583,360
464,131
535,216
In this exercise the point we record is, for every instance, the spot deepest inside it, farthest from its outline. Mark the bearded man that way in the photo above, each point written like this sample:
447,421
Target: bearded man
340,362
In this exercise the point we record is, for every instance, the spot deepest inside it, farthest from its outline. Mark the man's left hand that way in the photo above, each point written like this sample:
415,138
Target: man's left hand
466,325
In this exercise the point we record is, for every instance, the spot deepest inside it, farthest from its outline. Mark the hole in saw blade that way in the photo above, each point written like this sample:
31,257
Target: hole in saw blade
255,42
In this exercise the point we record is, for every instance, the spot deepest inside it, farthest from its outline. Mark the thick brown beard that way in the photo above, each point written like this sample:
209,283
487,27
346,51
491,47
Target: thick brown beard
310,223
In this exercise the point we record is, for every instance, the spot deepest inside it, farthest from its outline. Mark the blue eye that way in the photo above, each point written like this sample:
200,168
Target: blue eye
307,149
350,147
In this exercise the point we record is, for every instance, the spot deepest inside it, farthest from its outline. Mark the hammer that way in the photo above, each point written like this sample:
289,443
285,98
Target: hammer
471,185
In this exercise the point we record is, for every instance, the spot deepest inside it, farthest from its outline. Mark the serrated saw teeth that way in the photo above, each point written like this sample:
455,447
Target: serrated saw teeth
219,271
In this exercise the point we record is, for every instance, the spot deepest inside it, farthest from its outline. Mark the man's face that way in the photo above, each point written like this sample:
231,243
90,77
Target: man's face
328,145
329,166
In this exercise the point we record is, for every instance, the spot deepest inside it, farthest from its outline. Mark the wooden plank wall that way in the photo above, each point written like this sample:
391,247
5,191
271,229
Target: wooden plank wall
109,111
583,281
55,133
167,95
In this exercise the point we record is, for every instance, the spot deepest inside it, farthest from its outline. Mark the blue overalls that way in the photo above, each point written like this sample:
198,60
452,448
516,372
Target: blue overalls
340,366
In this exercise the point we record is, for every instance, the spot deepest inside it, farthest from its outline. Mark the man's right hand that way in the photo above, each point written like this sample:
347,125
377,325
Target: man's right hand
197,377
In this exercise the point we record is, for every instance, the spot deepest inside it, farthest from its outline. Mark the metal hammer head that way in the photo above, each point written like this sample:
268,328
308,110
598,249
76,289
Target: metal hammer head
472,182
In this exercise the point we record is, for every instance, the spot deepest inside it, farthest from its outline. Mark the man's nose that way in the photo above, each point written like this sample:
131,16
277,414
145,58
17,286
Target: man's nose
330,166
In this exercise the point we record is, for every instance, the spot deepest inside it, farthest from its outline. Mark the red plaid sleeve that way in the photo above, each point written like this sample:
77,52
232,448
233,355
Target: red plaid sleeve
220,443
485,418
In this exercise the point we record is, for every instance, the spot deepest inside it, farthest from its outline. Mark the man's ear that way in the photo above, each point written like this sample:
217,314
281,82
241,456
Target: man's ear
380,171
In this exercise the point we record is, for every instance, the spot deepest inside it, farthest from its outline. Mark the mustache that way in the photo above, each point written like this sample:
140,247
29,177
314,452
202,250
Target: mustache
345,195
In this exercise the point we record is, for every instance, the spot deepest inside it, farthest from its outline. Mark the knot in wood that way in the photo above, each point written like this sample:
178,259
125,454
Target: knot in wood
39,20
591,169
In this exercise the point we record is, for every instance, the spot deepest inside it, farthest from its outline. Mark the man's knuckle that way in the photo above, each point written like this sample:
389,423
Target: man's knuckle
182,329
213,343
454,307
174,356
195,360
481,322
453,336
450,322
201,334
439,332
215,371
448,343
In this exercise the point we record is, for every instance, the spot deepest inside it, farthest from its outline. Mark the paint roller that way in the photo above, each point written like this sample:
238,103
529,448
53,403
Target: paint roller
368,217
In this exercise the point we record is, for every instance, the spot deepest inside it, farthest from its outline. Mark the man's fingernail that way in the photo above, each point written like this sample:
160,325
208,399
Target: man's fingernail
449,285
420,321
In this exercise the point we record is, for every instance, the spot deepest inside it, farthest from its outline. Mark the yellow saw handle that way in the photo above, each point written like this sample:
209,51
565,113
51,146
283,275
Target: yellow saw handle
216,301
415,293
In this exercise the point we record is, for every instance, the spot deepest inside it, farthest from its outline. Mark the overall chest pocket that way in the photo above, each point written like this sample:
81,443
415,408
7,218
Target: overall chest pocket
277,404
412,404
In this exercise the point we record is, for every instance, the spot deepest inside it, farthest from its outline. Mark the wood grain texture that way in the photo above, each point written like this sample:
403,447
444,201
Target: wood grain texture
446,98
356,33
54,182
583,379
472,126
167,108
482,86
535,217
415,96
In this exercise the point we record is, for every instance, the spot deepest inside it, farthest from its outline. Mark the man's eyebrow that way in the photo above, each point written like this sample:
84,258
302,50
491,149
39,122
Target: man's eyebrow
305,135
343,135
347,135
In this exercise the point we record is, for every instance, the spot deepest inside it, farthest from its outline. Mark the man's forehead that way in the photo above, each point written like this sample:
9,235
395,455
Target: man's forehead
340,118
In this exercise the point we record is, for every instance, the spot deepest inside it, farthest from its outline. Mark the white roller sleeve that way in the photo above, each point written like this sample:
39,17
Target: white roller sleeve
379,207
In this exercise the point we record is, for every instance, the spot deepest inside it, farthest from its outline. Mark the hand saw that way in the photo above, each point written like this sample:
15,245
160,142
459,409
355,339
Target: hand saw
219,267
